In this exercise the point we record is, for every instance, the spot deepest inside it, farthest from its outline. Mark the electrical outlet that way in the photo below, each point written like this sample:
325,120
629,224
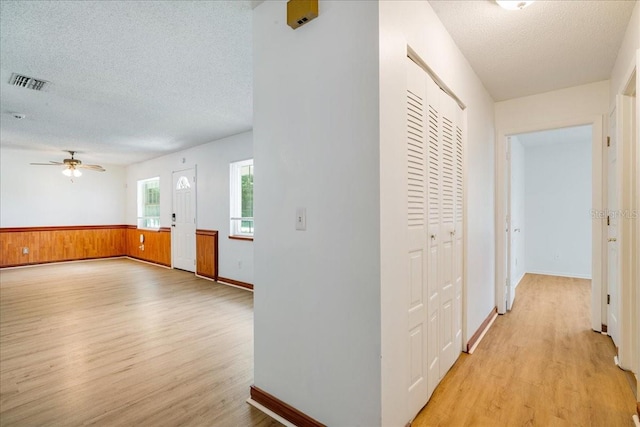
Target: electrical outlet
25,251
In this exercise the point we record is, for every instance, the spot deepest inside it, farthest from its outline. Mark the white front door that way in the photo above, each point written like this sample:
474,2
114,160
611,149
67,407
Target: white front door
612,234
183,221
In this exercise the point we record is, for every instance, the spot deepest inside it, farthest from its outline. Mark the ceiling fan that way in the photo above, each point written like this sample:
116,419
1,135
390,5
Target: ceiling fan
72,166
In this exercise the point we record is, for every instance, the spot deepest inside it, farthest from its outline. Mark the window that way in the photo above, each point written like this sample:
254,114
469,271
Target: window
149,203
242,198
183,183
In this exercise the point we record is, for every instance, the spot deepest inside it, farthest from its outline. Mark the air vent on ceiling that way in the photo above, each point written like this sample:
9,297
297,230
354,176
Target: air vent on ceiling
28,82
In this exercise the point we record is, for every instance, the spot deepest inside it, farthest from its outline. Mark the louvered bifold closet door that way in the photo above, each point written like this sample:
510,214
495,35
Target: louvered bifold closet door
459,230
416,281
434,195
448,351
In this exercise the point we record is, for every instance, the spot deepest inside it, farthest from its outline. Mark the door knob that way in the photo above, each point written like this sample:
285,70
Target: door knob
613,239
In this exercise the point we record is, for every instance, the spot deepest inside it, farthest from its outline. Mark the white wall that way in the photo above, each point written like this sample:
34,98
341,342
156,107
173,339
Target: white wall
416,24
212,168
542,111
518,192
626,59
579,105
316,133
41,196
558,208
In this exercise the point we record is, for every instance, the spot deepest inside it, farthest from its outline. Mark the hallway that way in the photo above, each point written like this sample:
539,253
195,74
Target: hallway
539,365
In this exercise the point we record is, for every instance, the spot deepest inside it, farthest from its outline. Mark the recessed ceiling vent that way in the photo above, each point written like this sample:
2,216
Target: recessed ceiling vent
28,82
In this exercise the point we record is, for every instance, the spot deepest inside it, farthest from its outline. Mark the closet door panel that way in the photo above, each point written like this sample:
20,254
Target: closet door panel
433,214
448,350
458,231
416,251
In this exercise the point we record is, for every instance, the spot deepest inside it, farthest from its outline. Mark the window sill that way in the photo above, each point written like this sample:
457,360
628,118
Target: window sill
151,229
248,238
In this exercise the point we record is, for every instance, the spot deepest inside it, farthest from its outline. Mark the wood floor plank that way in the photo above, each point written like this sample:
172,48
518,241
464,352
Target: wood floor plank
539,365
118,342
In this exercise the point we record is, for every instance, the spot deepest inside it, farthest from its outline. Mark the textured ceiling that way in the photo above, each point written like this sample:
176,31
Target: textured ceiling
547,46
130,80
555,136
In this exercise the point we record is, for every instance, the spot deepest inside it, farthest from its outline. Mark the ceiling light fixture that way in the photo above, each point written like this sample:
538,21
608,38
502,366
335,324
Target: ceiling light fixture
72,166
513,4
71,171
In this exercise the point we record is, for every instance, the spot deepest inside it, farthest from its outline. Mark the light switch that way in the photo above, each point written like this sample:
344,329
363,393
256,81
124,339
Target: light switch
301,219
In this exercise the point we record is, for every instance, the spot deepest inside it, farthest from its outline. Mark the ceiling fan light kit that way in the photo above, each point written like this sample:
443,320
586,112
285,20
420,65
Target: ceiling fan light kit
71,172
72,166
513,4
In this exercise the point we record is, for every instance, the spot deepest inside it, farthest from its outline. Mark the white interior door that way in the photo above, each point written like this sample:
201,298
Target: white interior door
510,237
183,225
418,392
612,233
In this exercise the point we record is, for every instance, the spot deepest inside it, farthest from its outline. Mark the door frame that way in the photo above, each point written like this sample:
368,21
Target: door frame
636,332
627,135
195,213
612,307
598,144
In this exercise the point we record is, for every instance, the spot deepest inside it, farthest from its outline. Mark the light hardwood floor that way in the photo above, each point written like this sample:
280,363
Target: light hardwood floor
539,365
118,342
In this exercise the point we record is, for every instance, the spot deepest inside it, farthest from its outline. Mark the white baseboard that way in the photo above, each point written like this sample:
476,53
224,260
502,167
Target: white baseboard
520,279
561,274
72,261
147,262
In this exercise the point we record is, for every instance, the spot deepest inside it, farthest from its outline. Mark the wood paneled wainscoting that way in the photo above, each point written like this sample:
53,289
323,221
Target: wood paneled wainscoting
39,245
155,248
207,253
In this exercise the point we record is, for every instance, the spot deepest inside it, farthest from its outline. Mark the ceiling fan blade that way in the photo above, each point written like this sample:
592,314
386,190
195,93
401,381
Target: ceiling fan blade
51,163
97,168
